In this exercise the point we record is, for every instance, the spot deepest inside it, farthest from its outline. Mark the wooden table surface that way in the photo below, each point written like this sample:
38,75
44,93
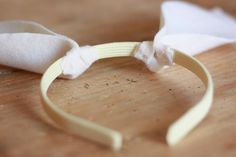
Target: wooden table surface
118,93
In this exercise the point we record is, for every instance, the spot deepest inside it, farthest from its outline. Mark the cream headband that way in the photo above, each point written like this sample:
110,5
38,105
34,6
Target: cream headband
80,61
184,32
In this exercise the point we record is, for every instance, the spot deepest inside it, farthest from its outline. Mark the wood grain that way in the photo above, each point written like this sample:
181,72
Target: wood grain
118,93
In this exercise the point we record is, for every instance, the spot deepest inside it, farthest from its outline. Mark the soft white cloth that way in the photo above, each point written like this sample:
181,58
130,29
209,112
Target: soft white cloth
190,29
30,46
78,60
186,27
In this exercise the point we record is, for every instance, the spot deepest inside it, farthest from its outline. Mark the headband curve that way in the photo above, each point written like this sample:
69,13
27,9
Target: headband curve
90,130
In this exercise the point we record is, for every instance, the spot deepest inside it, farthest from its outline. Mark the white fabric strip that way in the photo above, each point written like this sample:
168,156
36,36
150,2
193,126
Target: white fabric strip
185,27
192,29
30,46
189,29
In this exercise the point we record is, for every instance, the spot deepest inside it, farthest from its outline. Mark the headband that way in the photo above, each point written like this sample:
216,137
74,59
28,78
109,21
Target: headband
153,59
30,46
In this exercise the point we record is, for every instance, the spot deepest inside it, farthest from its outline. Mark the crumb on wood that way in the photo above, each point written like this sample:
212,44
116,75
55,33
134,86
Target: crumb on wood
131,80
144,91
110,105
86,85
116,82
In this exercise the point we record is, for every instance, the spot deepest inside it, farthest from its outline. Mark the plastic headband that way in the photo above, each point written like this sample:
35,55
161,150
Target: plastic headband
90,130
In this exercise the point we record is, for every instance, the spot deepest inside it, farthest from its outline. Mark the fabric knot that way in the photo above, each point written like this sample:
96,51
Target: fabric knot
155,58
78,60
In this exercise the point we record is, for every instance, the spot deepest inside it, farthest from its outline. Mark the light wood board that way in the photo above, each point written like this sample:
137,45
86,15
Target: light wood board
118,93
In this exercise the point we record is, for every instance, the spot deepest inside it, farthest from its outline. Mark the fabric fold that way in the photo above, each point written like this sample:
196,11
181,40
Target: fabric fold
30,46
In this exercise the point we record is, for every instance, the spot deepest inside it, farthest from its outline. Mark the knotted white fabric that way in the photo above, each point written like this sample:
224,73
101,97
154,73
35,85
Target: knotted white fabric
30,46
154,59
78,60
185,27
189,29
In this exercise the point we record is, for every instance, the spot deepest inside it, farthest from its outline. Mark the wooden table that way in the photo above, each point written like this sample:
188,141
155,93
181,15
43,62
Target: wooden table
118,93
